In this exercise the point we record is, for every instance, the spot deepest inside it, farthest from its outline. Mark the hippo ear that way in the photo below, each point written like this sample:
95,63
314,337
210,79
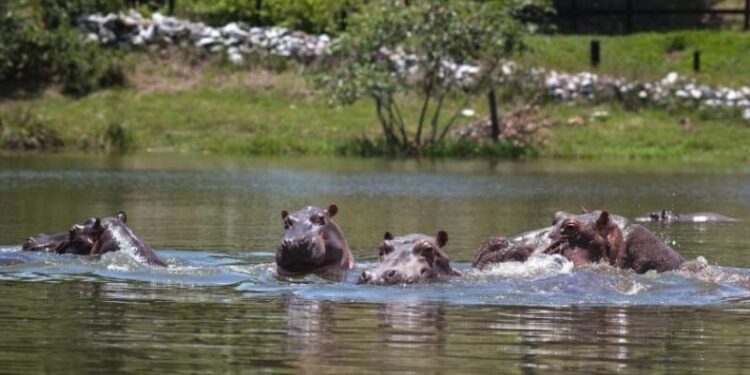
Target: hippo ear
284,214
387,236
72,232
122,217
97,224
663,214
603,220
332,210
442,238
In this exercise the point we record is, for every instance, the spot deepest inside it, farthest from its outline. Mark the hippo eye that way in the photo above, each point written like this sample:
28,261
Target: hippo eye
384,250
318,219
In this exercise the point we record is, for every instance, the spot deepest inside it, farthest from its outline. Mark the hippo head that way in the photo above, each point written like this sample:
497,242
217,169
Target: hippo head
82,238
44,242
499,249
587,237
310,242
414,258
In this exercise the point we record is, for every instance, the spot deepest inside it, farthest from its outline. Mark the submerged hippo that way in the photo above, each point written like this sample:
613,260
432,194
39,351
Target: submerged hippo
100,236
587,238
666,217
45,242
312,243
414,258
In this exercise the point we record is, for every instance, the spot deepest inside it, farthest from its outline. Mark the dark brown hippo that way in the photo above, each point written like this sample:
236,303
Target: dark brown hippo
45,242
106,235
666,217
312,243
587,238
414,258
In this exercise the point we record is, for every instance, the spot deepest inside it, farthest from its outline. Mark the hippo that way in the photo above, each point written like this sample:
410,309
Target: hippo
106,235
312,243
45,242
586,238
666,217
410,259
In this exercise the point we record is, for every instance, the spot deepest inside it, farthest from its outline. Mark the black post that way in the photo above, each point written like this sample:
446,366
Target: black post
697,61
595,57
747,15
493,115
629,17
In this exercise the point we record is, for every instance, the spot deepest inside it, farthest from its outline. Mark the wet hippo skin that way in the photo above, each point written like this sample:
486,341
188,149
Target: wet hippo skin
101,236
413,258
586,238
312,243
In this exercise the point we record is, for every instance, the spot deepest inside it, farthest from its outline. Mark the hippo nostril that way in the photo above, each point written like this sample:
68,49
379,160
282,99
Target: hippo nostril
424,271
364,277
390,275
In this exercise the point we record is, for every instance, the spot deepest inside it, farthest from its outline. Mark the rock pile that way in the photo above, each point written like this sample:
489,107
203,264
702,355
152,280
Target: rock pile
236,38
672,90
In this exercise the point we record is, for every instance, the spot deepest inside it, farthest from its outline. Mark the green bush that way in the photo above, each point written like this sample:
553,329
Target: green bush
39,46
24,131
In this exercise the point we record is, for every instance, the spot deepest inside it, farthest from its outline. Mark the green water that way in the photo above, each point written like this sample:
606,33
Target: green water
219,307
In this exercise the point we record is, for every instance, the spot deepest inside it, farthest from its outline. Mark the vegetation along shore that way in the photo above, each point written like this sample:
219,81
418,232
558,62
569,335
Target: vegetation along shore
162,97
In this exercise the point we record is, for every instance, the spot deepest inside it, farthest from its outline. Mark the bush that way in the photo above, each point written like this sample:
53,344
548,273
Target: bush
24,131
39,46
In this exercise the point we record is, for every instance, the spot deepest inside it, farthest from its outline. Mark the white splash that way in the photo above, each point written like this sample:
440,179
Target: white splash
537,265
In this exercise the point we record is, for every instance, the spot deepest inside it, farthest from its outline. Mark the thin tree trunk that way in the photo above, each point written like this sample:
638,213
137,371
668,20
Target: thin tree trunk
423,113
390,138
436,116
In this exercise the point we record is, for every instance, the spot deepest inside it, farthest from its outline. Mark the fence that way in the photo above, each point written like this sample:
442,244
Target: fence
615,17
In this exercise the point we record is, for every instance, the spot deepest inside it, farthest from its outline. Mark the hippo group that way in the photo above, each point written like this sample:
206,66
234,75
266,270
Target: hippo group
312,243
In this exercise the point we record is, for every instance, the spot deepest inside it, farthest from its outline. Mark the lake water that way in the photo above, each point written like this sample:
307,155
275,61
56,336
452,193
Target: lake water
220,308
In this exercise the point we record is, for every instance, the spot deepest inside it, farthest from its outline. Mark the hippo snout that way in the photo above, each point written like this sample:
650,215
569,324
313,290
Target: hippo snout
365,278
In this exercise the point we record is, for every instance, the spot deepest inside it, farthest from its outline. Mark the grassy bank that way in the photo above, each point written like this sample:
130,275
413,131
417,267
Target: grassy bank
176,104
725,55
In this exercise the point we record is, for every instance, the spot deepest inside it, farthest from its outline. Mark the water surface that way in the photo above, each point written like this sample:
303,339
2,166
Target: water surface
220,307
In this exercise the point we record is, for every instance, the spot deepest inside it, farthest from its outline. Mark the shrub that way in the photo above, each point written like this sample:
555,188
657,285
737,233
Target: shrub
39,46
24,131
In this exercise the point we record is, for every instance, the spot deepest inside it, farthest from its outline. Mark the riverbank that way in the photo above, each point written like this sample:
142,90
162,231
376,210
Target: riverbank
177,102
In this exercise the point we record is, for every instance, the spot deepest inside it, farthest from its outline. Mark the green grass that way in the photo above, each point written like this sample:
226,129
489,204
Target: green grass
173,106
647,134
725,55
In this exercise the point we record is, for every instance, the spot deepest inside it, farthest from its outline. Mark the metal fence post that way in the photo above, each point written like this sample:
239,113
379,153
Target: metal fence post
494,121
595,53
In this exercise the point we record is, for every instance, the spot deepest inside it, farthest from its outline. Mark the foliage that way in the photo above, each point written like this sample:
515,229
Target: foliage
24,131
39,45
315,16
373,61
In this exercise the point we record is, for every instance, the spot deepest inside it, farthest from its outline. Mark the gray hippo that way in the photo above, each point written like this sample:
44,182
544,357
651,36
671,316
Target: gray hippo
312,243
47,242
100,236
413,258
586,238
666,217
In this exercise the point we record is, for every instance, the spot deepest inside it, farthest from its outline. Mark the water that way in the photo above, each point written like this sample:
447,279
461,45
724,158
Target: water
219,306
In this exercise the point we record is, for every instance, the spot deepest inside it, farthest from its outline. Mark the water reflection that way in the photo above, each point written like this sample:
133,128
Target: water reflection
220,308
